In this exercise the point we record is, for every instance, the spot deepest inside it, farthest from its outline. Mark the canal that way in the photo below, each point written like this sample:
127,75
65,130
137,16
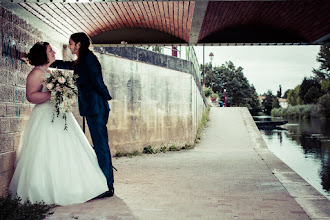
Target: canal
304,145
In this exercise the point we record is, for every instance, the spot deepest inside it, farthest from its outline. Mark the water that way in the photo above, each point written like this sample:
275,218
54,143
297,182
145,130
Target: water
304,145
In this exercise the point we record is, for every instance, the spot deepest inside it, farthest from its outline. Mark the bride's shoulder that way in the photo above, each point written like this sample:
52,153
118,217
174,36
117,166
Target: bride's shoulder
36,72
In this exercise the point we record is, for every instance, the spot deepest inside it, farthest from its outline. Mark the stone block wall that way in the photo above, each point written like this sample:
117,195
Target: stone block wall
17,37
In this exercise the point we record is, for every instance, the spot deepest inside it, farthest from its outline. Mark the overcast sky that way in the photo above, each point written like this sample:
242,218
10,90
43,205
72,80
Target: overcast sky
266,67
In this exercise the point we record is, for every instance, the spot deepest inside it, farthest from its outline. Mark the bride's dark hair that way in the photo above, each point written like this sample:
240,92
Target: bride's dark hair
37,55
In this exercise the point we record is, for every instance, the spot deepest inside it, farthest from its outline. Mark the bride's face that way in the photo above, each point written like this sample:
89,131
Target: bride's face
50,54
74,47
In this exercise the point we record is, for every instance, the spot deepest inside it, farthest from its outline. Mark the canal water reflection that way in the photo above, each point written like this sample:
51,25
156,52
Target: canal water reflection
304,145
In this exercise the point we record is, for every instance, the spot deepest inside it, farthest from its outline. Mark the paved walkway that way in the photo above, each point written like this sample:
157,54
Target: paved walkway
230,174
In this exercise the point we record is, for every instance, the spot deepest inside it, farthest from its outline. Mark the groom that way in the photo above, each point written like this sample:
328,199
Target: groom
93,100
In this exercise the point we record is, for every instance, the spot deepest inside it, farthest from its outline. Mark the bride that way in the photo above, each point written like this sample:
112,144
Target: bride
53,165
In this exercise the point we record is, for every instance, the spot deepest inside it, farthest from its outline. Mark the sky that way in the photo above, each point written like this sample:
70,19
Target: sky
266,67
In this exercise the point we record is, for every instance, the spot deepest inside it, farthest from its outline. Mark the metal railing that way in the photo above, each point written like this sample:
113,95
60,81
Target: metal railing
191,56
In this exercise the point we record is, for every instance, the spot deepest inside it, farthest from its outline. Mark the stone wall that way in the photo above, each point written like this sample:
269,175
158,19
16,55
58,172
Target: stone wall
17,37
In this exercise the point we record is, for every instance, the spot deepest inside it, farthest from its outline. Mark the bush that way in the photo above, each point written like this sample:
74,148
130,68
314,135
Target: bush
277,112
148,150
324,103
203,122
208,92
12,209
297,111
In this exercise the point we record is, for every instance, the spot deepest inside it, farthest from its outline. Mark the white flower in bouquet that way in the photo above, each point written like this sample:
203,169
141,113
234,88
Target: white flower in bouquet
61,80
63,92
50,86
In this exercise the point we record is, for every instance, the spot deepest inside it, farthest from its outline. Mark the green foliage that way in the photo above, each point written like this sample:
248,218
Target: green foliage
297,111
204,120
279,92
239,91
163,149
12,209
325,105
187,147
293,96
148,150
127,154
285,96
310,96
270,102
173,148
323,73
325,86
215,95
207,92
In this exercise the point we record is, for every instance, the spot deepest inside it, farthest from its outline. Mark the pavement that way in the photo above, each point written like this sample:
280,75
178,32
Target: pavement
230,174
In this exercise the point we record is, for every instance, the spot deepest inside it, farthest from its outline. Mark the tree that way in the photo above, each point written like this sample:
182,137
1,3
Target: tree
239,91
325,86
270,102
310,96
286,93
325,105
293,96
279,92
324,58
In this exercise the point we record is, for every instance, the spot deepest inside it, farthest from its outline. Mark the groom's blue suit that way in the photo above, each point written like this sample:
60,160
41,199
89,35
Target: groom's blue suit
93,98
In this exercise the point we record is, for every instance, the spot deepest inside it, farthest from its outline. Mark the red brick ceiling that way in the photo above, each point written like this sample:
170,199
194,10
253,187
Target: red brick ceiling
309,20
188,22
173,17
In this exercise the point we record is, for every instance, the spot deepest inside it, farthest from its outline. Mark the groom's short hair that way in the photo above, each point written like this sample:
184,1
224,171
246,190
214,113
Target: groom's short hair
37,55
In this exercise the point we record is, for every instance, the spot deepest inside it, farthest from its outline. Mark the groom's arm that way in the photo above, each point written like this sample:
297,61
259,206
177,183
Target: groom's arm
95,74
60,64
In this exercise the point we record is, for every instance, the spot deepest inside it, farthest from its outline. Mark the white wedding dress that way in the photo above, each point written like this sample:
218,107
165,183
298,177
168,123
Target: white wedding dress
54,165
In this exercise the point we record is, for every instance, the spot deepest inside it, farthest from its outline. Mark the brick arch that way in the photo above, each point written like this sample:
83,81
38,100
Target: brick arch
254,33
170,17
299,17
135,36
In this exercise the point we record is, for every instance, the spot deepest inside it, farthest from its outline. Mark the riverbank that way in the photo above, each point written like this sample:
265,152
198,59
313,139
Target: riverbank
297,111
304,145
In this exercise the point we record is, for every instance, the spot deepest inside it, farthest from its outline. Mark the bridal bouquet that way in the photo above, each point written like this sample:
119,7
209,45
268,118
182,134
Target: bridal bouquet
64,93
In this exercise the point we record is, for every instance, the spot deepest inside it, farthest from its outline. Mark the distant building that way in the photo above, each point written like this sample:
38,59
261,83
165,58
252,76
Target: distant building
283,102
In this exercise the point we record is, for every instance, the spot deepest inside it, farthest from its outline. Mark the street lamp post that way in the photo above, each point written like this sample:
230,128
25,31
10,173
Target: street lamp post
211,55
225,97
203,68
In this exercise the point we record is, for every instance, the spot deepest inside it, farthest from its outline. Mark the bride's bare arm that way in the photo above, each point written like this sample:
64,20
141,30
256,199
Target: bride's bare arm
34,84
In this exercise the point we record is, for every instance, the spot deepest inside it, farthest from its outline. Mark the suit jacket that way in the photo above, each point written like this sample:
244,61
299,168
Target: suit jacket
93,94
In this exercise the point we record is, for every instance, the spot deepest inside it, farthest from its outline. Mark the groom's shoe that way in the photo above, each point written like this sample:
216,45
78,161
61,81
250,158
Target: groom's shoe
105,194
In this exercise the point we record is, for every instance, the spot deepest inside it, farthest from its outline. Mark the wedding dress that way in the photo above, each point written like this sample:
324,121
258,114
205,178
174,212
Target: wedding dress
54,165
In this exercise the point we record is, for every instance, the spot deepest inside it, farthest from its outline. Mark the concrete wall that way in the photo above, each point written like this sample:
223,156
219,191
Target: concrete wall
153,105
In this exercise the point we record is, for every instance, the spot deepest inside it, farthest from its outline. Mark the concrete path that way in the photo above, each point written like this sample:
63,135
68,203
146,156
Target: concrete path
230,174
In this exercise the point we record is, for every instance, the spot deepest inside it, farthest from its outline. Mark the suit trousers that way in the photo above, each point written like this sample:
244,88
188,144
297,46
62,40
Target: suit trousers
97,125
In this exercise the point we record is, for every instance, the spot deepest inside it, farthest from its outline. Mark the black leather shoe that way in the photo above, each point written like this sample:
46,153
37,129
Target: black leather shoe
105,194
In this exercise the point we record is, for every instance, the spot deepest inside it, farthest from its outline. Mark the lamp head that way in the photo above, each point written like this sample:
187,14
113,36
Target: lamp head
211,55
